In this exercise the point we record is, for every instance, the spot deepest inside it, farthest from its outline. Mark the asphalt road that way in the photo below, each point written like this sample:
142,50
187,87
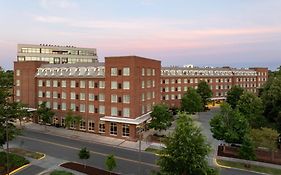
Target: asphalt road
67,149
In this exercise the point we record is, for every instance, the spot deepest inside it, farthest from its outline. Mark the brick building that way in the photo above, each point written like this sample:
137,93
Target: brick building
115,97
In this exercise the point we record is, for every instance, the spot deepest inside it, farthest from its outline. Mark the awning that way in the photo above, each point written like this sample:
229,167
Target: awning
135,121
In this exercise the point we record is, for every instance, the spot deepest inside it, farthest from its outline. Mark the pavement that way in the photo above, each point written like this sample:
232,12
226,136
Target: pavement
89,137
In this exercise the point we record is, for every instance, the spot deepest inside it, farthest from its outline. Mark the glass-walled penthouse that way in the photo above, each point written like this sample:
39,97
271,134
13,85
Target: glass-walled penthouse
56,54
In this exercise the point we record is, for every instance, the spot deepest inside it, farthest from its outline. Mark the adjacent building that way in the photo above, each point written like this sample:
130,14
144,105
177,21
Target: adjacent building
55,54
116,97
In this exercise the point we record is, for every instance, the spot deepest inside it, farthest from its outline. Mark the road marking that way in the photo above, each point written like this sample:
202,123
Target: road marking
94,152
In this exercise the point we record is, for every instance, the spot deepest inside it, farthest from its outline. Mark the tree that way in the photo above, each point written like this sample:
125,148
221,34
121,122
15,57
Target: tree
110,163
265,137
191,102
45,114
69,119
251,107
186,150
20,112
84,154
233,95
247,150
229,125
161,118
77,119
271,96
205,92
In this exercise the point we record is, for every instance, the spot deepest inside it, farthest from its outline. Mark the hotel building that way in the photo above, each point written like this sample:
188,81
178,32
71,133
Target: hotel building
114,98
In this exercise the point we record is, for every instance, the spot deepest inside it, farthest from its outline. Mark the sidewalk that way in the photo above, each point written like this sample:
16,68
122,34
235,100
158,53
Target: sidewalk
89,137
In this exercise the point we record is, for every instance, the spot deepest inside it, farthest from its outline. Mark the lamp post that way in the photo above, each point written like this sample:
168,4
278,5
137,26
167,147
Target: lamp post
140,130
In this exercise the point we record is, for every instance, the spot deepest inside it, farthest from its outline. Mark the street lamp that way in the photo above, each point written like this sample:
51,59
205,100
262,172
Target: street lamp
7,141
140,129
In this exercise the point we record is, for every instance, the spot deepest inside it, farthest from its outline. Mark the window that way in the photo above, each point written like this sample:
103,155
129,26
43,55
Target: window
101,97
48,94
91,109
91,97
72,84
113,98
113,71
55,94
40,94
143,72
40,83
83,125
113,128
18,93
126,99
126,71
113,84
101,127
148,95
91,84
148,72
148,84
82,107
48,104
48,83
82,96
63,106
114,111
91,126
126,85
55,83
72,107
17,72
142,84
55,105
72,96
63,83
153,83
101,84
82,84
63,95
126,112
126,130
153,72
101,109
142,97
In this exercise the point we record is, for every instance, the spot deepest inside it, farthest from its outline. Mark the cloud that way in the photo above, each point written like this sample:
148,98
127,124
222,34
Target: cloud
63,4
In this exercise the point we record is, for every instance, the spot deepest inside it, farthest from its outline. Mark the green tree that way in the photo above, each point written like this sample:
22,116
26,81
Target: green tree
271,96
265,137
247,150
45,114
191,102
77,119
229,125
233,95
186,150
69,118
205,92
84,155
110,163
251,107
161,118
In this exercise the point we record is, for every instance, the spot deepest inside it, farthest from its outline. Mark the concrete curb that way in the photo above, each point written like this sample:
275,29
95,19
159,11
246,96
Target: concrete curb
228,167
18,169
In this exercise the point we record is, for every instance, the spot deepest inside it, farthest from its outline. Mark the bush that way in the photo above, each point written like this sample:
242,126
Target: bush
59,172
14,160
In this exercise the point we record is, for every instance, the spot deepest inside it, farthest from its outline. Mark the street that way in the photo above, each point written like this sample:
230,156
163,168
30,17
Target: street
66,149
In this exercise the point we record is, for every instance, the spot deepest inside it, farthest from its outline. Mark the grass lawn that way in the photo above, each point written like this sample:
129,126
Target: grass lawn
15,161
261,169
153,150
26,153
59,172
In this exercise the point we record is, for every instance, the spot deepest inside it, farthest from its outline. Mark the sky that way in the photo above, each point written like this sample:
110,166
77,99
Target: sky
236,33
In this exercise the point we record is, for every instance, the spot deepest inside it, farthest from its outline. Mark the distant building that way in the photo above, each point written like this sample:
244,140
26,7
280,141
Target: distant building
56,54
114,98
